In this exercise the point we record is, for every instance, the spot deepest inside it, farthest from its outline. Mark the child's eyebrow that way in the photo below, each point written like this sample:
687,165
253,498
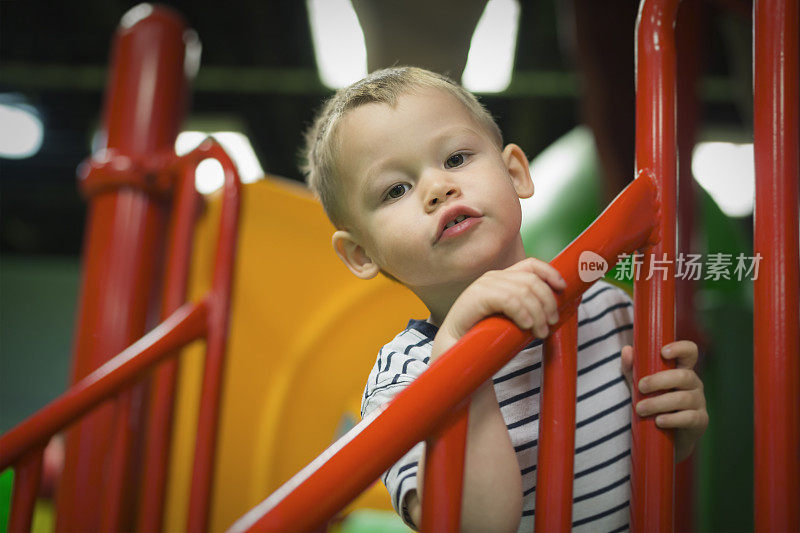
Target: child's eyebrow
454,132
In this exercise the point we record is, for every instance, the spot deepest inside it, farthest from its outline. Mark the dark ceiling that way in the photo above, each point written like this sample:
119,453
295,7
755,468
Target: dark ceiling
257,68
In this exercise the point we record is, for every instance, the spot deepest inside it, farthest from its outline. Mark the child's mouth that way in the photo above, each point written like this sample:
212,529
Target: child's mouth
458,225
456,221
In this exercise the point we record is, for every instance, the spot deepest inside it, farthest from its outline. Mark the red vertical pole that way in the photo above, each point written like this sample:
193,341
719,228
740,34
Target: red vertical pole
556,461
145,102
776,351
652,471
160,414
444,475
219,303
118,491
27,476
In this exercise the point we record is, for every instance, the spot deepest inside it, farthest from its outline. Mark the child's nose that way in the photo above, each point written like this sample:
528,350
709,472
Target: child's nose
440,196
439,192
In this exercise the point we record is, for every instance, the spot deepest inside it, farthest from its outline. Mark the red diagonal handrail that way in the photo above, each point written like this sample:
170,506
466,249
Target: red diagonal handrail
314,495
183,326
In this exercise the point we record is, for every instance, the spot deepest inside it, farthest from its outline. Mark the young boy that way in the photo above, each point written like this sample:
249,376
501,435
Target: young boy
411,170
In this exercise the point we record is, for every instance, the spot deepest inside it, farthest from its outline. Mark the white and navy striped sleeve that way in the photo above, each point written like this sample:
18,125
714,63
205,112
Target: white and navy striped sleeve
399,363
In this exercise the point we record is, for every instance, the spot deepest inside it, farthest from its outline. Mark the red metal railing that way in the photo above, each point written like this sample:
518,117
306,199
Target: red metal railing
22,446
160,414
427,406
776,348
556,459
652,450
129,184
126,219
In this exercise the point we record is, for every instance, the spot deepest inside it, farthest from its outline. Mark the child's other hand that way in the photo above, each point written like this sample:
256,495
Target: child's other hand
683,408
523,293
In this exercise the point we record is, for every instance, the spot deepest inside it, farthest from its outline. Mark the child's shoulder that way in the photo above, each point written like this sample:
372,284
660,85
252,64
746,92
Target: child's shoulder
418,333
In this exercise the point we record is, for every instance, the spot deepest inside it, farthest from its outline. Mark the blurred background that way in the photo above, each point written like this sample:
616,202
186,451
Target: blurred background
558,77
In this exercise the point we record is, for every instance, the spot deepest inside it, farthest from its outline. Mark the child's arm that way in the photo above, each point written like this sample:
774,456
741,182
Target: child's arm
685,404
492,493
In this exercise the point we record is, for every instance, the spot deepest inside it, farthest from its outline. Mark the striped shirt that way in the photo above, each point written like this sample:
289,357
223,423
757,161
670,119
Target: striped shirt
602,437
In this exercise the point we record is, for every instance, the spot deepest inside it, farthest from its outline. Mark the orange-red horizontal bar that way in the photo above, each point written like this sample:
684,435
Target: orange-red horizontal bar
181,327
309,499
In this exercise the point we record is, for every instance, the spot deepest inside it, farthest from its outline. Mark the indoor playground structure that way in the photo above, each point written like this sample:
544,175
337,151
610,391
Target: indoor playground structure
211,386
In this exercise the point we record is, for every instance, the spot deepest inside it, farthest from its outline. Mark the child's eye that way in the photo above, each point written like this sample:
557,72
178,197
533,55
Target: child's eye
455,160
397,190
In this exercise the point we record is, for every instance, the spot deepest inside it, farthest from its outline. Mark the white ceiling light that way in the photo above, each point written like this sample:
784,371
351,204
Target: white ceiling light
727,172
338,42
21,131
491,52
209,175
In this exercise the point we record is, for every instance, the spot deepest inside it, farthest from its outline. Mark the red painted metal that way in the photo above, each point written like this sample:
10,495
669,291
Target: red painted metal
652,458
444,474
219,302
183,326
144,106
556,459
27,476
160,415
424,407
776,331
118,485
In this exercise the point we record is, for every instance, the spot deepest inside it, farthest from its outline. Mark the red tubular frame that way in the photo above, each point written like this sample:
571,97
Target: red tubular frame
160,415
556,459
143,110
26,486
189,322
219,302
776,385
652,457
183,326
441,493
309,500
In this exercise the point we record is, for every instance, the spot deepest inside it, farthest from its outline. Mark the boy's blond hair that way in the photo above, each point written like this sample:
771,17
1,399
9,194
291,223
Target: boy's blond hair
382,86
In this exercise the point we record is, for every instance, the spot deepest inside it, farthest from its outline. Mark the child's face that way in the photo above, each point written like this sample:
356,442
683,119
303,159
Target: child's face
410,170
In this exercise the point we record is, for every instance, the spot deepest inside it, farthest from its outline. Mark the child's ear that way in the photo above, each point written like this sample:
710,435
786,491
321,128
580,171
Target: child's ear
519,170
354,256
